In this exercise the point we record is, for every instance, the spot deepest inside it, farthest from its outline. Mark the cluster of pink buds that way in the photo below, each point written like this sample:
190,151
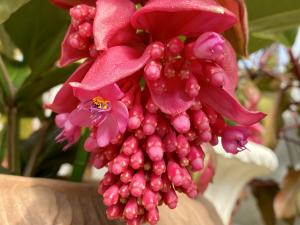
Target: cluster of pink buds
158,83
81,31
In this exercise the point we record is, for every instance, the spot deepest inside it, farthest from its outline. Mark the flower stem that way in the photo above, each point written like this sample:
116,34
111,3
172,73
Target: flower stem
81,159
12,137
29,170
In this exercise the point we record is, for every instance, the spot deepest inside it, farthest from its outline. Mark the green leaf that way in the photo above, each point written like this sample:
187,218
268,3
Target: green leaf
46,81
37,29
272,20
17,71
7,46
4,170
7,7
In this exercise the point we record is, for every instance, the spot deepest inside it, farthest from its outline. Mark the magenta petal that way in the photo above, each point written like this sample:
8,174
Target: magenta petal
115,64
64,100
227,106
107,131
166,19
81,118
110,92
66,4
120,113
69,54
174,100
112,23
230,67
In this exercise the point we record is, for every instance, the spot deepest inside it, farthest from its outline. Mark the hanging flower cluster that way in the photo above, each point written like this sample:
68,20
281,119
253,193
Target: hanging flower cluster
157,82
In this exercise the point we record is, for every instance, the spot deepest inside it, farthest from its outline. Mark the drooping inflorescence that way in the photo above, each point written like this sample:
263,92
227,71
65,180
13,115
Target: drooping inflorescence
153,89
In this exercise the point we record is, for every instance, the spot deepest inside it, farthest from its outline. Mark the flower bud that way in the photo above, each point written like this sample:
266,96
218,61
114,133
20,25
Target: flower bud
149,200
111,196
138,184
131,209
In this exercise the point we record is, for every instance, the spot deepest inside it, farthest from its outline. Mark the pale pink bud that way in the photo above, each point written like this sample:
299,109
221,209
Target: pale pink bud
174,173
90,144
196,157
131,209
175,46
137,160
85,30
114,212
234,139
151,106
149,200
127,175
170,198
135,117
156,183
119,164
214,74
124,191
109,179
130,146
153,216
138,184
111,196
159,167
149,123
170,142
157,50
152,70
181,123
192,86
209,45
166,183
183,147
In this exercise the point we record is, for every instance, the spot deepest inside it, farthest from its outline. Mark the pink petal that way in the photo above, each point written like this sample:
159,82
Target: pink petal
81,118
120,113
110,92
174,100
66,4
166,19
115,64
228,106
230,67
107,131
64,100
69,54
112,23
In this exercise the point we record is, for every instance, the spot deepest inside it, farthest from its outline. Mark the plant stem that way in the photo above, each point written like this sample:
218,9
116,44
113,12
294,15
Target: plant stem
12,137
295,64
81,159
7,82
37,149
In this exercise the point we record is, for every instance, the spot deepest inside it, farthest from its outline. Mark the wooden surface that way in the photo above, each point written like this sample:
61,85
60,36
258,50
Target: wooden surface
27,201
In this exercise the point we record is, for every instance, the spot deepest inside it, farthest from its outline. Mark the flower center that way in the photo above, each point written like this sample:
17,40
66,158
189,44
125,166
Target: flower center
101,104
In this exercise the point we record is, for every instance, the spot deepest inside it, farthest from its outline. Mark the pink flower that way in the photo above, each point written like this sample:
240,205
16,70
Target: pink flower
234,139
70,132
100,110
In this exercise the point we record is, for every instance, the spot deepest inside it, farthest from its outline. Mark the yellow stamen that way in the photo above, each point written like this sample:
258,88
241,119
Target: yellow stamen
101,103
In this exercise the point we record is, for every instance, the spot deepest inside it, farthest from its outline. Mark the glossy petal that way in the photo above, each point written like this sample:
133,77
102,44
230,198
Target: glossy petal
174,100
166,19
68,53
120,112
115,64
230,67
65,101
107,131
228,106
110,92
112,23
66,4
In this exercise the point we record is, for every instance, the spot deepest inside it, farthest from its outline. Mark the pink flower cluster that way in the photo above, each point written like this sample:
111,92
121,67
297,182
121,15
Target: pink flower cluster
157,82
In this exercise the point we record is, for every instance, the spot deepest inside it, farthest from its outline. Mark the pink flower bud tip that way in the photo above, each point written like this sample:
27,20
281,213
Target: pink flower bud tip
114,212
170,199
131,209
181,123
130,146
175,46
156,183
149,124
155,153
157,51
124,191
149,200
159,167
170,142
153,216
111,196
137,160
126,176
152,70
210,46
119,164
174,173
138,184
